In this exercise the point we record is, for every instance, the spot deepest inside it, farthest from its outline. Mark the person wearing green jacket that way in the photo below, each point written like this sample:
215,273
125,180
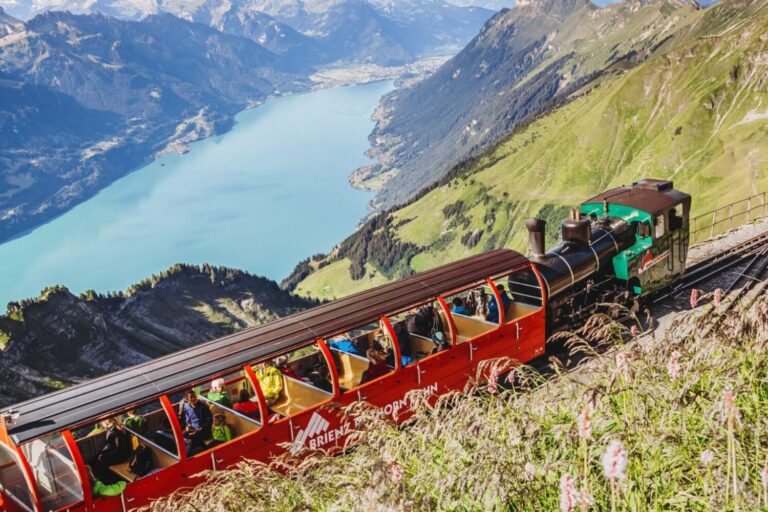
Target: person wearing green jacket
99,488
220,431
270,380
218,394
136,423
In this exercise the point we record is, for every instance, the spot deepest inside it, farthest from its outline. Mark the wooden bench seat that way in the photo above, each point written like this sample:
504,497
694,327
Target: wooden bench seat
468,327
517,310
420,344
122,471
160,458
297,396
350,367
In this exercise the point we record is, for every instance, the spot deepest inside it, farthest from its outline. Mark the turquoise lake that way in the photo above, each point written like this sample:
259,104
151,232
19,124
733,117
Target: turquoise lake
261,197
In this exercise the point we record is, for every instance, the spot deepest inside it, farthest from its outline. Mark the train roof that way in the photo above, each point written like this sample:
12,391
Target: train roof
648,195
81,404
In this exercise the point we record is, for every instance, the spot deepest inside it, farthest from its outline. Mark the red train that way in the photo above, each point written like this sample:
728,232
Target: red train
45,443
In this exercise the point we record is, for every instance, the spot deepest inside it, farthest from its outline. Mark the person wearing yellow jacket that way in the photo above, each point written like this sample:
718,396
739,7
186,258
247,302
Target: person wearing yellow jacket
270,380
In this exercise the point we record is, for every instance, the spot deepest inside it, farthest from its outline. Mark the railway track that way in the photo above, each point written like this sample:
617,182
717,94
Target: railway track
753,251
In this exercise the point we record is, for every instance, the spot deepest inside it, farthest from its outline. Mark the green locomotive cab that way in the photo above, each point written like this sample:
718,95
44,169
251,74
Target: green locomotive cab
658,217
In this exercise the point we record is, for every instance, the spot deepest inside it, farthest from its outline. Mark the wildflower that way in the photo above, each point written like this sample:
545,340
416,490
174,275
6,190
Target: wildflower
621,363
706,457
615,461
585,499
764,477
569,496
694,298
493,380
511,377
585,429
729,405
634,331
717,297
396,472
673,365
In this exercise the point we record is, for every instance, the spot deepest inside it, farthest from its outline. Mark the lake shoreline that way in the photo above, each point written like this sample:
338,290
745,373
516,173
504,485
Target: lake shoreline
36,252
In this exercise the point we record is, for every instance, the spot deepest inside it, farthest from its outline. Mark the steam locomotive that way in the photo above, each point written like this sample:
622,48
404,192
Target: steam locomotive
618,247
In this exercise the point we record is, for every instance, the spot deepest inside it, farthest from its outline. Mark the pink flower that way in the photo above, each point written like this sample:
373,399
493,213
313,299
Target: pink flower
673,365
511,377
764,476
694,298
615,461
585,499
706,457
634,331
729,405
493,381
396,472
717,297
569,496
585,429
621,363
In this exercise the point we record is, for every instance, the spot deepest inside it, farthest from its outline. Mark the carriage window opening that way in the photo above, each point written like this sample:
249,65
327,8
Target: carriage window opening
660,224
12,481
676,217
362,354
419,332
473,310
294,382
124,448
54,472
643,229
520,296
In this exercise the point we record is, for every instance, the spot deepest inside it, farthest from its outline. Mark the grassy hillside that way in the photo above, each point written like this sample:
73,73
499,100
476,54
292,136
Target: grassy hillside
696,114
686,415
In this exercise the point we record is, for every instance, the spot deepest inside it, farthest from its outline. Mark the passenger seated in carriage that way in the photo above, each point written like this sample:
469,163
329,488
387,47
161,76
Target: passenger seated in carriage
271,381
220,432
116,450
493,308
196,421
218,394
377,365
246,406
321,379
344,343
458,307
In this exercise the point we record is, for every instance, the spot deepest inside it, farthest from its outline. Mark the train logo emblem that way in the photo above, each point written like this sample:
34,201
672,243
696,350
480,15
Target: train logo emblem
316,434
650,261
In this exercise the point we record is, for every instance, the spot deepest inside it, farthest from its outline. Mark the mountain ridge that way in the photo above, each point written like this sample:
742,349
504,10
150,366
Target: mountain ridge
524,62
92,334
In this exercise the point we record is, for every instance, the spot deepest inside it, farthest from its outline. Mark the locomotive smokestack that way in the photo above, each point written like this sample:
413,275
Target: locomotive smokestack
536,229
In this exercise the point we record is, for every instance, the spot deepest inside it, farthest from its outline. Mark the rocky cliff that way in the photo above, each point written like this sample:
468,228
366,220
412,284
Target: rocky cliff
59,338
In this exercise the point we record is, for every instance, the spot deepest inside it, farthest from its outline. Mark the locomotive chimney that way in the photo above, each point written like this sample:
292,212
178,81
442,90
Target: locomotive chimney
536,229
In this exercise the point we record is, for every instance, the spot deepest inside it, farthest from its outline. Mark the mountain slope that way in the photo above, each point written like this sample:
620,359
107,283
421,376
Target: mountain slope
8,24
86,99
524,62
309,31
60,339
695,114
